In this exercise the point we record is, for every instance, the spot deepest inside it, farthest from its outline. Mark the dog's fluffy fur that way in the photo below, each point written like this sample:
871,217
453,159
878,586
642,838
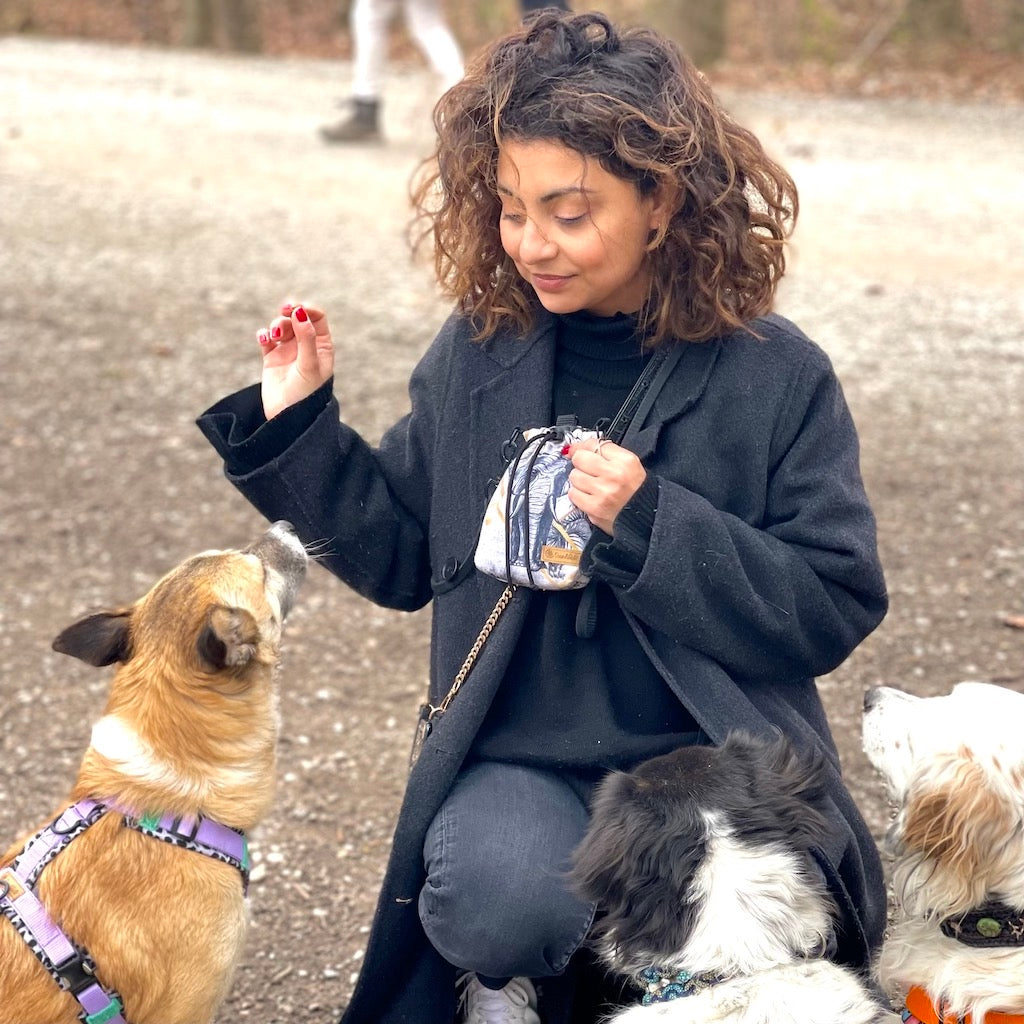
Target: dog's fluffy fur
190,727
954,766
701,860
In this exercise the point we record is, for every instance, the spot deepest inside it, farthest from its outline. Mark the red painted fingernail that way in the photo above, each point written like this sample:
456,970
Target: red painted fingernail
262,337
300,314
275,333
286,309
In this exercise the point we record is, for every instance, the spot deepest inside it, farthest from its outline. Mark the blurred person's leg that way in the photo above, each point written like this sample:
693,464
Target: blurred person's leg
433,36
369,22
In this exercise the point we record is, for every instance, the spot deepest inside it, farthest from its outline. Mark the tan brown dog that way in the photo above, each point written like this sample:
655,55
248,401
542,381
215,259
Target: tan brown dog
189,732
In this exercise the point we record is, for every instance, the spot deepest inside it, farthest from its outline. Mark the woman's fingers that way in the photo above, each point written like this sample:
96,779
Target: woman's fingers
296,323
604,477
605,460
304,330
313,312
277,332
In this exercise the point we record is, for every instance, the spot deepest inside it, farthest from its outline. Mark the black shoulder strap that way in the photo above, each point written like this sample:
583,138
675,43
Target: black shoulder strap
628,421
630,418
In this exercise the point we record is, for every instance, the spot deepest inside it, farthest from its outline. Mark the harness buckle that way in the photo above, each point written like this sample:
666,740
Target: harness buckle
78,972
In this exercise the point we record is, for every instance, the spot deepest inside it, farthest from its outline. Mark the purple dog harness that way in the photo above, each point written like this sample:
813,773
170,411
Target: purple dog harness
69,965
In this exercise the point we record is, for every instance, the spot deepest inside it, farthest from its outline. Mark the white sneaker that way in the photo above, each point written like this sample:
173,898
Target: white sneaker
516,1003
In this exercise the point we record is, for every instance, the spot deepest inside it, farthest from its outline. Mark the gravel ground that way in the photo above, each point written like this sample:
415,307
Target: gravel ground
154,208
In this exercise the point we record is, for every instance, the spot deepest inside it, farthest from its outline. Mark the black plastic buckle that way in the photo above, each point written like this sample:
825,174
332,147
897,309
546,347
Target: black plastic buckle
78,973
562,427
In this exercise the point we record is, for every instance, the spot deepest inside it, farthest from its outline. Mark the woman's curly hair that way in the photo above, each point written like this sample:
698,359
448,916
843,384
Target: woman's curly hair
632,101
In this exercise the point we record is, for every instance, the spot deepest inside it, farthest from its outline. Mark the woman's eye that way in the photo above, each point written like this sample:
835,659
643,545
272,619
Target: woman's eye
569,221
511,216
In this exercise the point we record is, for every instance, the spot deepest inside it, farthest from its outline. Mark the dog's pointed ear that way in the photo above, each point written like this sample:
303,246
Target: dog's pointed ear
99,639
229,639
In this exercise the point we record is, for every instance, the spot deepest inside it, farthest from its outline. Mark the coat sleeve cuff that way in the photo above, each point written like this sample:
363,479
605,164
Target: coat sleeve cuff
245,439
619,560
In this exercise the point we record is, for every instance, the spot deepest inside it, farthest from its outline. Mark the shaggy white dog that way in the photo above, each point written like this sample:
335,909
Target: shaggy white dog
954,765
709,896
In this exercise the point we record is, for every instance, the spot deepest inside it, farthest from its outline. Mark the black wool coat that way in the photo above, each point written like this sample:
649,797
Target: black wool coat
762,573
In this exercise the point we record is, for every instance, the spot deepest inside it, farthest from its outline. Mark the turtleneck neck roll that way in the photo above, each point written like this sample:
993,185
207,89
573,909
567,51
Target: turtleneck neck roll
598,359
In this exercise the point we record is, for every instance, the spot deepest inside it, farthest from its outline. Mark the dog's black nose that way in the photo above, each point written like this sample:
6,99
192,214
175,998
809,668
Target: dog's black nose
871,697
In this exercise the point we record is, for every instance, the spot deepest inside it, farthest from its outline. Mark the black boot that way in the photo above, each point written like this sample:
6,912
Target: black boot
361,124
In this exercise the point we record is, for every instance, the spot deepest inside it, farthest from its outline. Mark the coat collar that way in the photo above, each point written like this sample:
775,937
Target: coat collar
513,392
682,391
518,393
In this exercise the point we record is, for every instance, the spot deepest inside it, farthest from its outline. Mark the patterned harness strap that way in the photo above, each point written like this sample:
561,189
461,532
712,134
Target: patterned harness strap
201,835
71,967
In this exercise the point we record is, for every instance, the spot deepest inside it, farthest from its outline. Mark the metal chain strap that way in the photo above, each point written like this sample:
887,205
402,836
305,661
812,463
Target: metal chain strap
485,632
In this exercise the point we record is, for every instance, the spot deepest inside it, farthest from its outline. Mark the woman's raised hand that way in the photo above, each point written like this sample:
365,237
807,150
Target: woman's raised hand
298,357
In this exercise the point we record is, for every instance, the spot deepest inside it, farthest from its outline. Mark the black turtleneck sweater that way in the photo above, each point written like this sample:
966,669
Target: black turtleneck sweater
588,704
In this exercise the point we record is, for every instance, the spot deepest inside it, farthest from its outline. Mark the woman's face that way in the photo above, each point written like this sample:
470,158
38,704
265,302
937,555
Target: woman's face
577,233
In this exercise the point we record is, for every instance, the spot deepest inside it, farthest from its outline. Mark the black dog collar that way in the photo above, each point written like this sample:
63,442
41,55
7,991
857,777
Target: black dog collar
988,926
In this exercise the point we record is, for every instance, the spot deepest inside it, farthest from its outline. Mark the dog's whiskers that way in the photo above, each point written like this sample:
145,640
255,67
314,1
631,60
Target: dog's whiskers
318,550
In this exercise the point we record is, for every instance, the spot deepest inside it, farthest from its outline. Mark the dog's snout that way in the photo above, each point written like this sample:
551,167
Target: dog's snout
280,536
281,550
887,695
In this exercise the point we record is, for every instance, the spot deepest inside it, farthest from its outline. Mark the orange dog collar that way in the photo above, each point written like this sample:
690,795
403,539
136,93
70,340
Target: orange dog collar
920,1005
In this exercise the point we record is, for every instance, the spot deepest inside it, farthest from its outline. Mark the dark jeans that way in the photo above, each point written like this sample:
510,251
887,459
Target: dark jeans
496,899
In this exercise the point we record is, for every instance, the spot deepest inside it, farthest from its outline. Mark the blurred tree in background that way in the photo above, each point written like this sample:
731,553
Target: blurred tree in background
831,35
237,24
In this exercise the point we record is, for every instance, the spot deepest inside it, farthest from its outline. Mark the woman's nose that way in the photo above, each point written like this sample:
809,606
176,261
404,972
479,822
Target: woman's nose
534,245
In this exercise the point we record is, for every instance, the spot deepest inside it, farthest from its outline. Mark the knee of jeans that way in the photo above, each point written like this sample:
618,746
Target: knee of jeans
502,932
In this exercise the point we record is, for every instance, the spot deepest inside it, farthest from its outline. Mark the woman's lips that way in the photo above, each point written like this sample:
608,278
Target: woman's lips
549,282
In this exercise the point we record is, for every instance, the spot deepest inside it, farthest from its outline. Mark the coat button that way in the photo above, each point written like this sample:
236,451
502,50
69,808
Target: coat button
449,569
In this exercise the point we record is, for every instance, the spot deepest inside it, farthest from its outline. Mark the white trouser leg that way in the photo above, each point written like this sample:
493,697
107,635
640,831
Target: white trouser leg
431,33
369,22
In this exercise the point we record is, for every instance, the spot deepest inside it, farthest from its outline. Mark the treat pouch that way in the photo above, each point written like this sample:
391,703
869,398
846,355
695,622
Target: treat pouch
532,534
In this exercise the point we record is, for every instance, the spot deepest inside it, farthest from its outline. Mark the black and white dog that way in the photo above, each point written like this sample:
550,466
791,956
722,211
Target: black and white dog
709,896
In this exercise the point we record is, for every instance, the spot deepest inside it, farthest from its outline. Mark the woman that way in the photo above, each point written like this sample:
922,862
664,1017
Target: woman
589,202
